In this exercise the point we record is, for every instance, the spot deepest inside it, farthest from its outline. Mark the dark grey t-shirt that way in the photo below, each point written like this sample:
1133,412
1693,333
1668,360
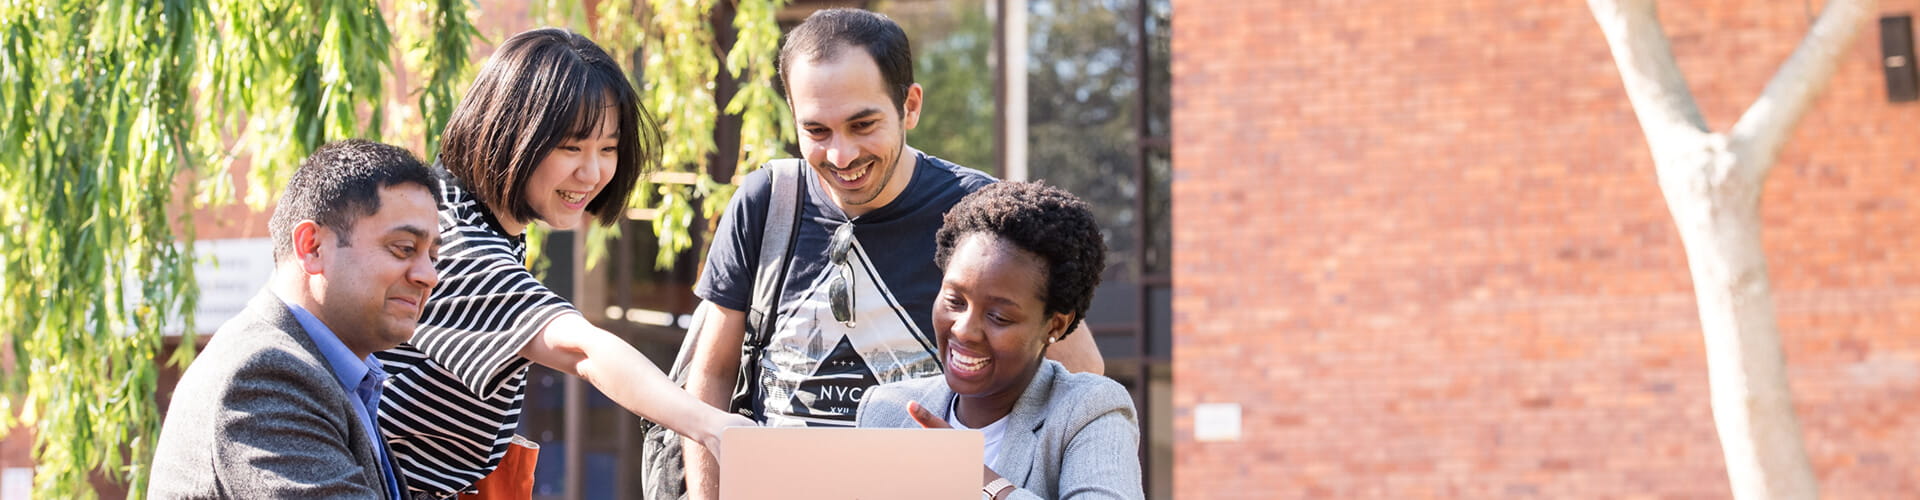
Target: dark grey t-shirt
816,369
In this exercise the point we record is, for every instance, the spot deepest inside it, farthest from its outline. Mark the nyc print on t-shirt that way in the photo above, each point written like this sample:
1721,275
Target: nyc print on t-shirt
882,345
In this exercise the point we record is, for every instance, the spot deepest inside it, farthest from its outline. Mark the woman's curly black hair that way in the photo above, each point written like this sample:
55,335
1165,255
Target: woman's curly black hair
1044,220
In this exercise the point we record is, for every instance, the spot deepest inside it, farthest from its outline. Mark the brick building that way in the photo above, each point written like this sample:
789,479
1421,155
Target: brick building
1421,246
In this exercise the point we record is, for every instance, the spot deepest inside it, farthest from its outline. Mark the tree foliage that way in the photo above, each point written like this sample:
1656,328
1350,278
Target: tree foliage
107,106
291,76
1081,110
97,124
437,47
950,61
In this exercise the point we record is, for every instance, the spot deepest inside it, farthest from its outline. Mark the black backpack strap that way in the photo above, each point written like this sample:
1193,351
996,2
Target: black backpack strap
776,241
783,214
776,247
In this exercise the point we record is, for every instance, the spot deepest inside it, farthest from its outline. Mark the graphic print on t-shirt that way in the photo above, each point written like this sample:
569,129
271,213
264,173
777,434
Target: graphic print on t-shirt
884,346
836,385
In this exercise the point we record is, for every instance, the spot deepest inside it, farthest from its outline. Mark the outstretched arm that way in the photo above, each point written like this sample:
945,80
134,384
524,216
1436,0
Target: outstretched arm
714,370
572,345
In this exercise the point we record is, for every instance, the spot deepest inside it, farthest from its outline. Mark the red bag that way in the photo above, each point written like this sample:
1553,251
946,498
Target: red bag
513,479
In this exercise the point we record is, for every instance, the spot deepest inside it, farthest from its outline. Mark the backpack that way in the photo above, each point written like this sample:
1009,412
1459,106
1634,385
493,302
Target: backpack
662,462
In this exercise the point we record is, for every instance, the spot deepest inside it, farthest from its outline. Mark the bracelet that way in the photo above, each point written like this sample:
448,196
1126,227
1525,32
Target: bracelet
993,489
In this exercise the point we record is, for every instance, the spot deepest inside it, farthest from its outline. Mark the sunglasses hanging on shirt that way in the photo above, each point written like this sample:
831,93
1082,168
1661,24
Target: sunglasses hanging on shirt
840,290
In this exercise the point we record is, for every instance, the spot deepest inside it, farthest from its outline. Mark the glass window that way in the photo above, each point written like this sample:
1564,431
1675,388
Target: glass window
1160,324
952,42
1159,252
1087,92
1080,106
543,419
1159,73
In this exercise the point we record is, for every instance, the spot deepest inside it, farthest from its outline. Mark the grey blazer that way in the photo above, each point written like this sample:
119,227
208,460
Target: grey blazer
1071,436
260,414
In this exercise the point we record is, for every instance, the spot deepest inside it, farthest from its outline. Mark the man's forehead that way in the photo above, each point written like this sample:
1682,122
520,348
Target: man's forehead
825,82
836,52
406,204
847,66
406,193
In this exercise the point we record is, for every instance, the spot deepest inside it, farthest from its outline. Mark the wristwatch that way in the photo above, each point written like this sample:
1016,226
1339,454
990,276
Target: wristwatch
993,488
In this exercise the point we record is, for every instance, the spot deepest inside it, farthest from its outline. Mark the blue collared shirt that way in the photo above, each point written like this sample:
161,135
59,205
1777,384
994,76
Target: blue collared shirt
361,377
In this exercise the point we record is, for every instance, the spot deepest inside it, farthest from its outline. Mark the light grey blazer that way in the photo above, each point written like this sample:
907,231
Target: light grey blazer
260,414
1071,436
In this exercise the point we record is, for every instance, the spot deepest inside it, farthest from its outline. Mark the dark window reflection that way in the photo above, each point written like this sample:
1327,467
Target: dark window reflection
1160,212
1081,102
1096,116
1159,75
952,41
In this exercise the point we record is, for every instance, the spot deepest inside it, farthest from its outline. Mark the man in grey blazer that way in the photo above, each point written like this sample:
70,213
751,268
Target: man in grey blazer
281,402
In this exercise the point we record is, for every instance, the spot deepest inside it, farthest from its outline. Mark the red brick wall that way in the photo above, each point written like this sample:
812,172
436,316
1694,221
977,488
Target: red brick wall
1421,244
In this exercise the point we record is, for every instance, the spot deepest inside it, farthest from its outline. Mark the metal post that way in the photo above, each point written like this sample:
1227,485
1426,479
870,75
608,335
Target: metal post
1010,87
575,406
1142,238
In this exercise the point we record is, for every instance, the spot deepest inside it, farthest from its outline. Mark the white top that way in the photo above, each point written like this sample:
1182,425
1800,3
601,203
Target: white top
992,431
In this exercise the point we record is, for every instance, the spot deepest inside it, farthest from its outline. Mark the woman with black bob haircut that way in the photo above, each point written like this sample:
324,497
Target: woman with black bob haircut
552,132
1021,261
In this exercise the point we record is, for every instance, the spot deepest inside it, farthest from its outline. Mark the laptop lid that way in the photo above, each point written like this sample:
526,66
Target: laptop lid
846,463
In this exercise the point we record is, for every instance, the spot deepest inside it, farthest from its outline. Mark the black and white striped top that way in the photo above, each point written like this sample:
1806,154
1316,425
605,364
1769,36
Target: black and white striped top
453,401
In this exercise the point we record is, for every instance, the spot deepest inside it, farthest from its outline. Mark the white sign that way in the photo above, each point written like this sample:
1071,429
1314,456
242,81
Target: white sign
230,273
16,483
1216,422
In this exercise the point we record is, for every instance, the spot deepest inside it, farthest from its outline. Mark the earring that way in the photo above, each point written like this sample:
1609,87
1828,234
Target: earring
1051,340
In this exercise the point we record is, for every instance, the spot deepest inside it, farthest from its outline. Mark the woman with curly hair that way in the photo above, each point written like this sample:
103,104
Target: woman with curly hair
1021,261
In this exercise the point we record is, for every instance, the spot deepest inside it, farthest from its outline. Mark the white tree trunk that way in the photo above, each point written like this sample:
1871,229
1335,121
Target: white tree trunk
1712,183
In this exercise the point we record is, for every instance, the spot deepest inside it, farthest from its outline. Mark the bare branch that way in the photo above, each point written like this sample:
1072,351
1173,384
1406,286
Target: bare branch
1763,129
1653,80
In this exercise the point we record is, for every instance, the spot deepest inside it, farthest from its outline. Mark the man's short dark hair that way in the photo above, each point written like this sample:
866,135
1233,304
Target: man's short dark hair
824,33
340,183
540,88
1044,220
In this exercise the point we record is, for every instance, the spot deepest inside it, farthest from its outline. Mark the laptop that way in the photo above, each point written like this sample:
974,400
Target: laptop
844,463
